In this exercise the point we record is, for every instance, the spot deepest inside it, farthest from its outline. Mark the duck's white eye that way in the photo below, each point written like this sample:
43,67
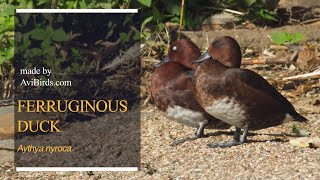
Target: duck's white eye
174,48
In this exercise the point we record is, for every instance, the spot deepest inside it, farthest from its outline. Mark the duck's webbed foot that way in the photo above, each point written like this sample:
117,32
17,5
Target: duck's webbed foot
236,139
199,134
224,144
179,141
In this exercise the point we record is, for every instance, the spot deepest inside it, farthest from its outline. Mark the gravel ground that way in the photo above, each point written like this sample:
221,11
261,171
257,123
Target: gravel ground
268,155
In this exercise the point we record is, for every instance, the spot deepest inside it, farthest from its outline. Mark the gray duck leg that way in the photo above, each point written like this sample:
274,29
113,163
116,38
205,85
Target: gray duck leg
199,134
236,139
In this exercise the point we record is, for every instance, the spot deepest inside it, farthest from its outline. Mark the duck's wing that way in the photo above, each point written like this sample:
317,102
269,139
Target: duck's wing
179,92
255,81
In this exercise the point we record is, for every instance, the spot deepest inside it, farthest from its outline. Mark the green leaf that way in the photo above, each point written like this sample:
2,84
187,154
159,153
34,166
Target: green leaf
280,37
146,21
295,129
48,50
35,51
105,5
59,35
124,37
137,36
249,2
26,42
49,31
2,59
40,2
173,8
8,10
160,27
10,53
297,37
25,18
299,132
11,40
75,4
145,2
29,5
75,52
269,15
70,4
2,19
156,13
46,43
145,35
11,23
38,34
83,4
3,29
111,30
175,19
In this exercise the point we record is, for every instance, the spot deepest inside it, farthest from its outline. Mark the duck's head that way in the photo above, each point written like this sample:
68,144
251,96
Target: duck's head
183,51
224,49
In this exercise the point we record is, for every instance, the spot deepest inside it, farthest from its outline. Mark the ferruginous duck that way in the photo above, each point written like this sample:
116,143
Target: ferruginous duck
173,90
239,97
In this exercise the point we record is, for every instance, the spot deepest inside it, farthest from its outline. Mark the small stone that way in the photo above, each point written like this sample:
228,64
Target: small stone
64,173
281,53
315,102
292,67
289,85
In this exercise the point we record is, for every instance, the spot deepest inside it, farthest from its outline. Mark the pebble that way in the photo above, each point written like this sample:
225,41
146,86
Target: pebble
292,67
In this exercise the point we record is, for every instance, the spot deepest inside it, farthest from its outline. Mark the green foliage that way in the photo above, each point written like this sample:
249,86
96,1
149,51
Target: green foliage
250,2
267,15
154,15
6,32
7,21
73,52
124,37
59,35
255,10
299,132
145,2
282,37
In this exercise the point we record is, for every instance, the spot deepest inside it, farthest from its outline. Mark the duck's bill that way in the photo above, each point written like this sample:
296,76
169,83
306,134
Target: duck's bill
164,60
203,57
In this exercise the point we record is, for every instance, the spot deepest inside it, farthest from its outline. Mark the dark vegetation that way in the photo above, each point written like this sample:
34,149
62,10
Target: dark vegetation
67,43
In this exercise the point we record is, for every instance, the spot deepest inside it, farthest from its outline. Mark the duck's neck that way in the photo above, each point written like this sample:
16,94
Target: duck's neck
217,66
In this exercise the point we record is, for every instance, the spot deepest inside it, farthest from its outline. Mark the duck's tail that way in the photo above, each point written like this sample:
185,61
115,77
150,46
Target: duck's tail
298,117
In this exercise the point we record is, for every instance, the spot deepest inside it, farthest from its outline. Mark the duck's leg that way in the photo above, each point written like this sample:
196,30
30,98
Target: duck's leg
237,133
199,134
236,139
243,138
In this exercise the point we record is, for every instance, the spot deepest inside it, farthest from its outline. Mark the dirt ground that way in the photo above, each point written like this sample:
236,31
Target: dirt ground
6,126
267,155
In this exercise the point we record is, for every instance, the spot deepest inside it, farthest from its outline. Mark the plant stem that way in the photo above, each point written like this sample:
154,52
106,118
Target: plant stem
181,18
